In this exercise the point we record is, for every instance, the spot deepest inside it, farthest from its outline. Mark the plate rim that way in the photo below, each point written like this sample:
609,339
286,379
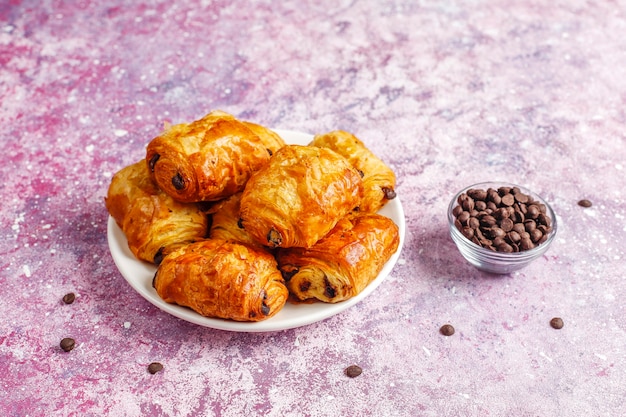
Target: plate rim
122,257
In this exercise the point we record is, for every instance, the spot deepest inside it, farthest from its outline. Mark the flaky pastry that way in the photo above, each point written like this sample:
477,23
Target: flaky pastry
226,223
299,196
222,279
206,160
344,262
378,178
154,224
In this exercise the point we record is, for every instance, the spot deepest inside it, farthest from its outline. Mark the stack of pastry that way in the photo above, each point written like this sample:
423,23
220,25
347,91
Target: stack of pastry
236,221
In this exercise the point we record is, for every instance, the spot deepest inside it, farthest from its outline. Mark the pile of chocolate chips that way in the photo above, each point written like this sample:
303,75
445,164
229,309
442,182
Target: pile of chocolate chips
502,220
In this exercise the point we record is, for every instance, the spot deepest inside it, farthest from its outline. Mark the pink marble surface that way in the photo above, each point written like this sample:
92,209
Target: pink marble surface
449,93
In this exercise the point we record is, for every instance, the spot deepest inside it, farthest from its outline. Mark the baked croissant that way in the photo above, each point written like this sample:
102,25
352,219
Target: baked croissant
299,196
344,262
225,222
270,139
205,160
154,224
378,179
222,279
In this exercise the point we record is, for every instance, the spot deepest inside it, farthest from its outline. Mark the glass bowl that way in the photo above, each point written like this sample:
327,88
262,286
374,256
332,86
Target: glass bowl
485,247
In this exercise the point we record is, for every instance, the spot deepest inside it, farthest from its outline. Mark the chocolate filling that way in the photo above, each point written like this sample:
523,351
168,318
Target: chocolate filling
153,161
178,181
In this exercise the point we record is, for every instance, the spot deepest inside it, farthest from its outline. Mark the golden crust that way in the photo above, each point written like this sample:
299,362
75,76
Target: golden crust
206,160
344,262
225,222
153,223
379,181
222,279
299,196
272,141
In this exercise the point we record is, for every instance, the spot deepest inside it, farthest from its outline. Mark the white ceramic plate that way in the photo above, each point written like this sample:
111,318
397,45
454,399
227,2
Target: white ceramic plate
139,275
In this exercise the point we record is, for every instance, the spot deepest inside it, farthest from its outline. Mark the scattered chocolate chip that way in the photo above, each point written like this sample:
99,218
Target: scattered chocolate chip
556,323
446,330
353,371
240,223
69,298
155,367
67,344
584,203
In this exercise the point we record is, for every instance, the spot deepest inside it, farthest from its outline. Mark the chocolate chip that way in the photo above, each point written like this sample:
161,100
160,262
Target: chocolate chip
504,247
463,217
353,371
488,220
468,232
507,224
526,243
585,203
178,181
468,204
67,344
477,194
556,323
508,199
69,298
155,367
446,330
503,220
240,223
533,211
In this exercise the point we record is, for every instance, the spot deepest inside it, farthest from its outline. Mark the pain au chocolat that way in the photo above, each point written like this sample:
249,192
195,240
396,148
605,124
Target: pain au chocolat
222,279
210,158
378,178
298,197
154,224
344,262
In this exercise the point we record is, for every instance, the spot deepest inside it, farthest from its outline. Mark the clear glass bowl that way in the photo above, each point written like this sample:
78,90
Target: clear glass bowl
490,260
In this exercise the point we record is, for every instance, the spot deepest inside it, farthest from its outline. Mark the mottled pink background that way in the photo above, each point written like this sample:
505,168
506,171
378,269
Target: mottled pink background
449,93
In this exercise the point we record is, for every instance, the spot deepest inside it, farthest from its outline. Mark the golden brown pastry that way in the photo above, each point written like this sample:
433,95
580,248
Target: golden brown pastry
344,262
226,225
299,196
205,160
271,139
217,278
153,223
378,179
